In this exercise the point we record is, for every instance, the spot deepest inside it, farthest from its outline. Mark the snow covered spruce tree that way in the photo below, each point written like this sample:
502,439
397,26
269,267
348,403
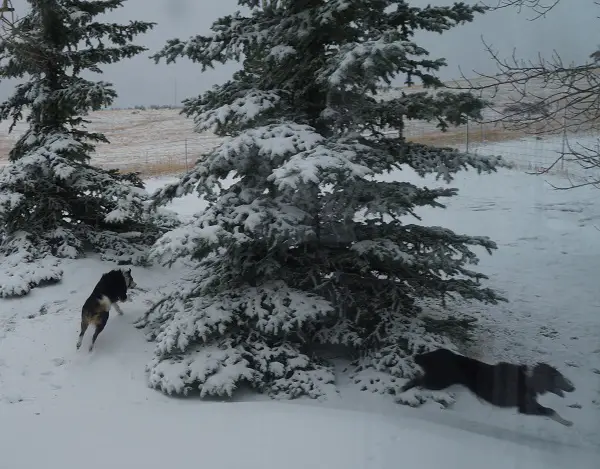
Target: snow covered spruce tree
53,203
307,239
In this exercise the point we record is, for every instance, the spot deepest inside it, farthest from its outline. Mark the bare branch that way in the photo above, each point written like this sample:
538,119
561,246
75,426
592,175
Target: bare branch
545,96
539,7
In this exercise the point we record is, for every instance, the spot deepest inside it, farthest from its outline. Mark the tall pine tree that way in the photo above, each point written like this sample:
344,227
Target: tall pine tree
53,202
307,240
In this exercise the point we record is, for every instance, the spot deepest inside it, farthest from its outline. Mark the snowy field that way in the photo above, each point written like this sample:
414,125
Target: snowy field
159,141
60,408
138,138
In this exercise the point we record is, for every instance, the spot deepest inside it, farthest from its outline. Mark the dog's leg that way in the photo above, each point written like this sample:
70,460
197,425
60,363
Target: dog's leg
99,328
84,326
535,408
418,381
118,308
559,419
426,381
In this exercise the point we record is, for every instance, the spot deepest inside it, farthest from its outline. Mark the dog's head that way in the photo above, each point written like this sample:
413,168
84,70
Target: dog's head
545,378
128,279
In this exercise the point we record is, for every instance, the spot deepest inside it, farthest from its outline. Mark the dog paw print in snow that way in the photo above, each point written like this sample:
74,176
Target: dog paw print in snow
13,399
7,325
52,307
58,361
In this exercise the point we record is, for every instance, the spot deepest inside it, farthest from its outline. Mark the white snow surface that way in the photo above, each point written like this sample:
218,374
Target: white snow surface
62,408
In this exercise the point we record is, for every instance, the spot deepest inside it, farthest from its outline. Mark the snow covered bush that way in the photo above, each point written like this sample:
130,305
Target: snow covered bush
307,247
53,203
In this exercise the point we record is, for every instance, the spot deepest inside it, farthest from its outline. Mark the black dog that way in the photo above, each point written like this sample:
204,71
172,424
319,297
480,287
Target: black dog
111,288
503,384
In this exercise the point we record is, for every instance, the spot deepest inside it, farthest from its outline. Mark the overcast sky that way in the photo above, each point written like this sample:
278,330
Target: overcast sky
571,29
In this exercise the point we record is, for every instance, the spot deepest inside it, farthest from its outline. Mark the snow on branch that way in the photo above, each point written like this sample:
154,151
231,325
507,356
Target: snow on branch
327,163
378,198
274,142
20,276
444,162
372,60
203,345
232,34
289,374
22,269
240,112
236,218
443,107
198,321
280,371
184,241
279,310
242,154
273,308
211,370
384,249
128,200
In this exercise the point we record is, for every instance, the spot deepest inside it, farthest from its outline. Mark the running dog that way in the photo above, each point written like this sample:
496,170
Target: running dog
111,288
502,385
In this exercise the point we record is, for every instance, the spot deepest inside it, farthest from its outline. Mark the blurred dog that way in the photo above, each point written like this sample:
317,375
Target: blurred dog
503,384
111,289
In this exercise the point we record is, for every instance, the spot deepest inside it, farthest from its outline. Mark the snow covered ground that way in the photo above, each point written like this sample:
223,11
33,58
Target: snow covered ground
254,436
60,408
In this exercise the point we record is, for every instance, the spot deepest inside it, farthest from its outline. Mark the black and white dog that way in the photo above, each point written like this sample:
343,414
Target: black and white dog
111,288
503,384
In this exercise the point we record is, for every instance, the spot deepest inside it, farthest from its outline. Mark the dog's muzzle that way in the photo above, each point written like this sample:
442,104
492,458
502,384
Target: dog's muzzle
569,386
565,386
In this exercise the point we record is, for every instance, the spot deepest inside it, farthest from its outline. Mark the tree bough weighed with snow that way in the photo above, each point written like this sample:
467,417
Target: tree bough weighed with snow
53,203
303,245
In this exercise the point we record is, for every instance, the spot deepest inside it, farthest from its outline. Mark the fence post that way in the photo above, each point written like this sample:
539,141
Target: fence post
186,155
482,134
467,150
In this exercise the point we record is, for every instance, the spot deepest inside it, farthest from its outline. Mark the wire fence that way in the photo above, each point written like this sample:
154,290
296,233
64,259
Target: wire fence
160,151
527,152
167,156
552,153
